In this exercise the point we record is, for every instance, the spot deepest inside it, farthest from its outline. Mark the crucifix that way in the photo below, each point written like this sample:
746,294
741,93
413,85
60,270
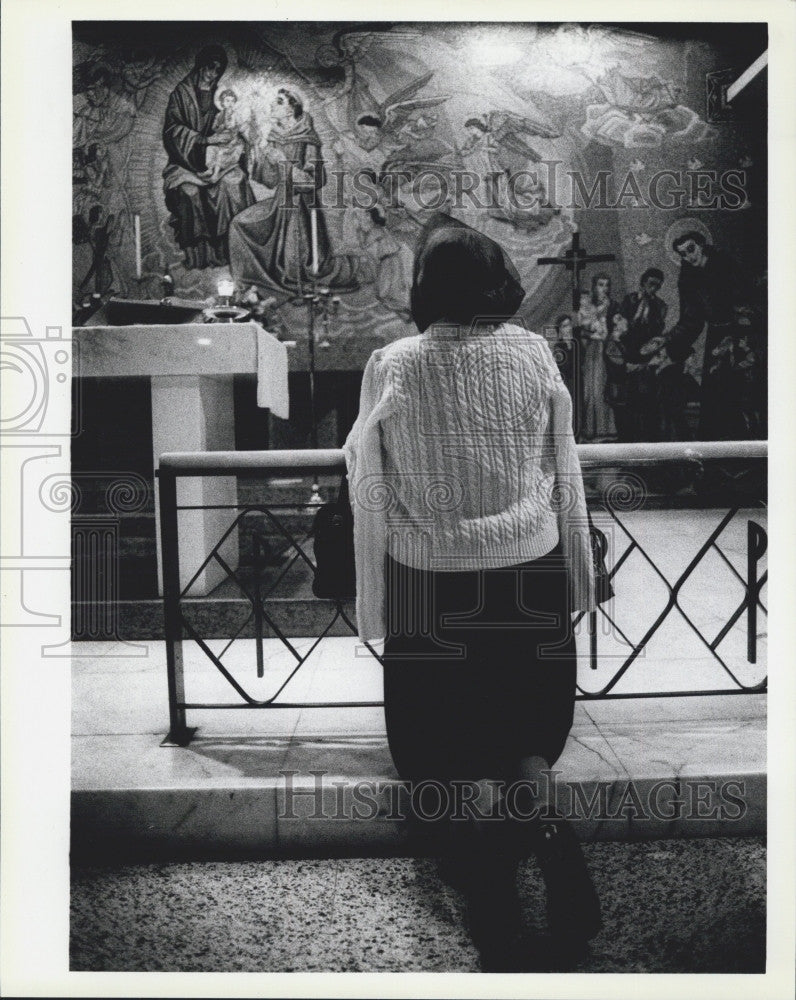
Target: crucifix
574,259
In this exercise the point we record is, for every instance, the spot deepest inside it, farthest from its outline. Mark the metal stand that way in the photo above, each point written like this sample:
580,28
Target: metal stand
312,300
319,299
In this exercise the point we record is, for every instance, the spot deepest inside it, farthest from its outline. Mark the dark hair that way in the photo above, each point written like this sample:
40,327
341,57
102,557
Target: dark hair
692,234
477,123
652,272
462,276
210,54
563,318
227,93
601,275
293,100
369,120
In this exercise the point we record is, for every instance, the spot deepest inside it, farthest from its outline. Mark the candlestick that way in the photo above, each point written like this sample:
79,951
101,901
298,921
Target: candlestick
137,230
314,240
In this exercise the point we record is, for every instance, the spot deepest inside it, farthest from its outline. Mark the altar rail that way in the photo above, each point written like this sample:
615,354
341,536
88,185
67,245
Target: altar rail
271,464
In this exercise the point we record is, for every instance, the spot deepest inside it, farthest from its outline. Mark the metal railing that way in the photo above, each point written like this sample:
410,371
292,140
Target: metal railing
616,504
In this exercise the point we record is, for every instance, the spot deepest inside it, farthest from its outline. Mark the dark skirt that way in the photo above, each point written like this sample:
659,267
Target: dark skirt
479,669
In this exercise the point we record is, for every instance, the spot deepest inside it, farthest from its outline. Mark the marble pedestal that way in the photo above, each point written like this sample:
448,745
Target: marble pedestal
196,413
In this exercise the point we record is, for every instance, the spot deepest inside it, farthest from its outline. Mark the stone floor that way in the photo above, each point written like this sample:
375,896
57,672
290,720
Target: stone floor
668,906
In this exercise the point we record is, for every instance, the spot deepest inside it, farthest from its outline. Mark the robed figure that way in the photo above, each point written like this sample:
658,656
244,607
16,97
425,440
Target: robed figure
715,293
282,243
650,398
202,203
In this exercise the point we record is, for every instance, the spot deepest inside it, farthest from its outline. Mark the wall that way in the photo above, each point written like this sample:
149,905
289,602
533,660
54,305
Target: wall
629,101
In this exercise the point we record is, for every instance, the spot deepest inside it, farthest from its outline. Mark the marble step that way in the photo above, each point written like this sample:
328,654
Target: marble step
285,782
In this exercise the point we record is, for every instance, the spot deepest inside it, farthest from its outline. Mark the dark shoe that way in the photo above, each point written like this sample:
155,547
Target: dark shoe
467,847
454,871
532,953
565,954
494,913
547,953
493,919
502,956
460,855
573,909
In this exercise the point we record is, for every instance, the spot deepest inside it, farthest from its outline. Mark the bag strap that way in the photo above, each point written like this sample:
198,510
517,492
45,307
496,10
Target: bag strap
598,540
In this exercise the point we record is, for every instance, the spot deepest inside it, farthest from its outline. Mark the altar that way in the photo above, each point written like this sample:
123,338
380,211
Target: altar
191,369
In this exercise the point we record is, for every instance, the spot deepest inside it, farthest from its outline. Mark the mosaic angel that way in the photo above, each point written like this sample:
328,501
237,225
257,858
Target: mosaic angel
640,111
499,152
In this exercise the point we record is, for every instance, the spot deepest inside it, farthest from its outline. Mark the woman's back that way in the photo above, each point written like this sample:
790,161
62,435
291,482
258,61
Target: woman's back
462,456
469,448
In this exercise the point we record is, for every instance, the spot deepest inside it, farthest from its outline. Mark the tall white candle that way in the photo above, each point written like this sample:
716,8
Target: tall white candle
137,230
314,239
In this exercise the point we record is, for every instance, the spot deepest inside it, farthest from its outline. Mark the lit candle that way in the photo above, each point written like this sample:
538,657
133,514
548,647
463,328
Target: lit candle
137,229
226,289
314,239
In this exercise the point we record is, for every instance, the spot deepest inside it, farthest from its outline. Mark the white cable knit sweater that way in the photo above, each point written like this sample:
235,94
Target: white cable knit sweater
462,457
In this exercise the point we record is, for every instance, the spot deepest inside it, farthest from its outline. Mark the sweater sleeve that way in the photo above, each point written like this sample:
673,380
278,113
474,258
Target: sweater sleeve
363,455
573,521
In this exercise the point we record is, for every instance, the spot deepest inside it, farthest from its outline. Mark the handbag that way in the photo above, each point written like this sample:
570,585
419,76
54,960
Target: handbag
333,546
334,577
603,588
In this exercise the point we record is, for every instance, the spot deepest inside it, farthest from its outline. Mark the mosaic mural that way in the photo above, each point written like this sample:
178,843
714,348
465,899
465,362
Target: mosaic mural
278,154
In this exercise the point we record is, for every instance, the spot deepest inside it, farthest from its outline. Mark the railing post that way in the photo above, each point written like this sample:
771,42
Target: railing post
592,619
257,560
756,544
179,734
